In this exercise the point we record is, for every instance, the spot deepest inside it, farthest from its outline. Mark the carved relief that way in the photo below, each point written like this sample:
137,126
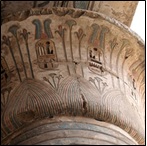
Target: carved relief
25,36
71,40
80,34
6,41
47,28
38,28
61,33
46,54
96,50
99,84
70,24
13,29
132,87
5,73
125,43
113,44
96,61
95,30
21,66
128,53
5,92
54,80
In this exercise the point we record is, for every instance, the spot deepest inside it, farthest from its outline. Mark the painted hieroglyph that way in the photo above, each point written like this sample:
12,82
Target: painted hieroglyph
78,65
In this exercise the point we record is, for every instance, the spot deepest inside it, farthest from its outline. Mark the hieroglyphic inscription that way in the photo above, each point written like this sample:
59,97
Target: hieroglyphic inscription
99,84
53,80
46,54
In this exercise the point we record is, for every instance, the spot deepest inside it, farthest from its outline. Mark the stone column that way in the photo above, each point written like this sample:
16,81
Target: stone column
70,131
73,71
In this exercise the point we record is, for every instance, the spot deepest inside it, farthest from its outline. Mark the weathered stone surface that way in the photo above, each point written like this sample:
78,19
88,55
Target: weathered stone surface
120,10
64,61
70,130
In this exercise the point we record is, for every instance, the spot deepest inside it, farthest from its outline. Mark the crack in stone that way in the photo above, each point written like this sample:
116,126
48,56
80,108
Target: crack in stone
84,104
